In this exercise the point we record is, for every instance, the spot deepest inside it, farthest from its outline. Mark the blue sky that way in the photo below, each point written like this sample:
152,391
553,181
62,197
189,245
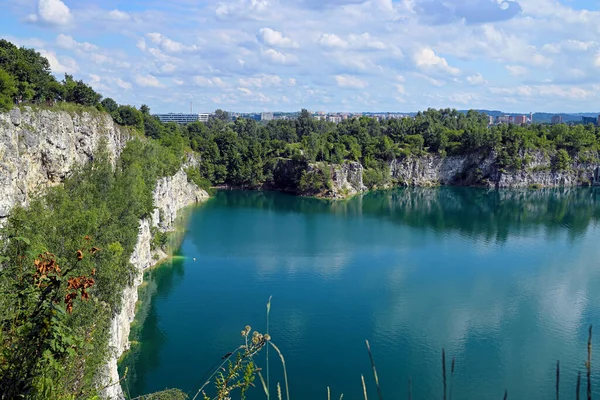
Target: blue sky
330,55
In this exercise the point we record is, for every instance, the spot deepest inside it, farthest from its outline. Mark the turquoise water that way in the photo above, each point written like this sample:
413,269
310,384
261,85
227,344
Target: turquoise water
506,281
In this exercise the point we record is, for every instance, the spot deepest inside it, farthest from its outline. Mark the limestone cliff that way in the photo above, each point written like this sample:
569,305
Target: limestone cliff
38,148
346,180
170,195
484,170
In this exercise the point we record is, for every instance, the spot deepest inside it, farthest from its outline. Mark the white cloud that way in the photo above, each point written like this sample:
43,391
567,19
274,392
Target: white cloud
168,68
208,82
52,12
433,81
118,15
263,46
261,81
331,40
463,98
147,81
516,70
60,64
277,57
569,45
141,44
565,92
365,42
123,84
476,79
350,82
168,45
67,42
426,59
276,39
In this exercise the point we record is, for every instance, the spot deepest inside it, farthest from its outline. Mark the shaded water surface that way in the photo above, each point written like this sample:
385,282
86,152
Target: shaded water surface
506,281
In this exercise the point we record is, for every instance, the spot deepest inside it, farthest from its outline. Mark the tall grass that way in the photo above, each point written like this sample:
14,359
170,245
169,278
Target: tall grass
249,349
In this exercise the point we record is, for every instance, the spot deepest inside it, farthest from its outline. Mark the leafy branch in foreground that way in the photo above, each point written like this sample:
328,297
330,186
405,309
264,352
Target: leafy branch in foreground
35,338
238,370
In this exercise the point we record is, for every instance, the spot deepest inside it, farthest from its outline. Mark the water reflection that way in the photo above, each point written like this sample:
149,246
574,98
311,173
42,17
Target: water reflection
506,281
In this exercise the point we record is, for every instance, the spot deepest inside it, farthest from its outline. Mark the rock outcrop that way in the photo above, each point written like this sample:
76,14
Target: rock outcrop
346,180
38,148
170,195
483,170
431,170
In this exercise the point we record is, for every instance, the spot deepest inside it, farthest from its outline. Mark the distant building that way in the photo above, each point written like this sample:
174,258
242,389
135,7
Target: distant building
589,120
266,116
520,120
503,119
556,119
181,118
491,120
334,118
598,122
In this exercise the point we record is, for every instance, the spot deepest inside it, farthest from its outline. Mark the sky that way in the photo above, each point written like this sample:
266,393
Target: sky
323,55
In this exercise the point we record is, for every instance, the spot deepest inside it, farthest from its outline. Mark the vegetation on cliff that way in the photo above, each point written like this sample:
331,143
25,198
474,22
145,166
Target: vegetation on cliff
50,347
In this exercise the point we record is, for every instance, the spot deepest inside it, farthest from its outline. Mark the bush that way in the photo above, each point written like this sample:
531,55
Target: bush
315,181
562,161
193,175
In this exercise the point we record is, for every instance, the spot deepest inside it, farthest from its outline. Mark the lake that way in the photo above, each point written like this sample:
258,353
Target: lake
507,282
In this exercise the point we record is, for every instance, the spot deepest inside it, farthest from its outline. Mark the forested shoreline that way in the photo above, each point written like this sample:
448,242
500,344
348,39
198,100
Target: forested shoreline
245,153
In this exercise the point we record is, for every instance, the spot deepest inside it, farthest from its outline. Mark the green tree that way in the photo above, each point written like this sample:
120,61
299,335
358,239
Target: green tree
109,105
8,90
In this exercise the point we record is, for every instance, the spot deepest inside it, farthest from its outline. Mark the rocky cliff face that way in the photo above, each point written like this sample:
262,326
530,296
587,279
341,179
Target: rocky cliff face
170,195
346,179
483,170
431,170
39,148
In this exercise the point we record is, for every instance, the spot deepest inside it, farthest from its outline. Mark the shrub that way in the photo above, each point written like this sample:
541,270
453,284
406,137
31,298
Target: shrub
562,161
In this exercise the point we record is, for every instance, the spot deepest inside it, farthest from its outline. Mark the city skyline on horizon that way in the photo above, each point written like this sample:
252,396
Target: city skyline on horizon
354,55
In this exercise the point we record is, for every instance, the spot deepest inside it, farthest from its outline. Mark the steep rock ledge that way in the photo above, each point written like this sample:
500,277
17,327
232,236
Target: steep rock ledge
483,170
347,180
170,195
38,148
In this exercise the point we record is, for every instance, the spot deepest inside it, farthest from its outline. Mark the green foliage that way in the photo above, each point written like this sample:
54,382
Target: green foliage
109,105
561,161
194,176
315,181
65,351
239,370
32,81
79,93
128,116
377,174
169,394
8,90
